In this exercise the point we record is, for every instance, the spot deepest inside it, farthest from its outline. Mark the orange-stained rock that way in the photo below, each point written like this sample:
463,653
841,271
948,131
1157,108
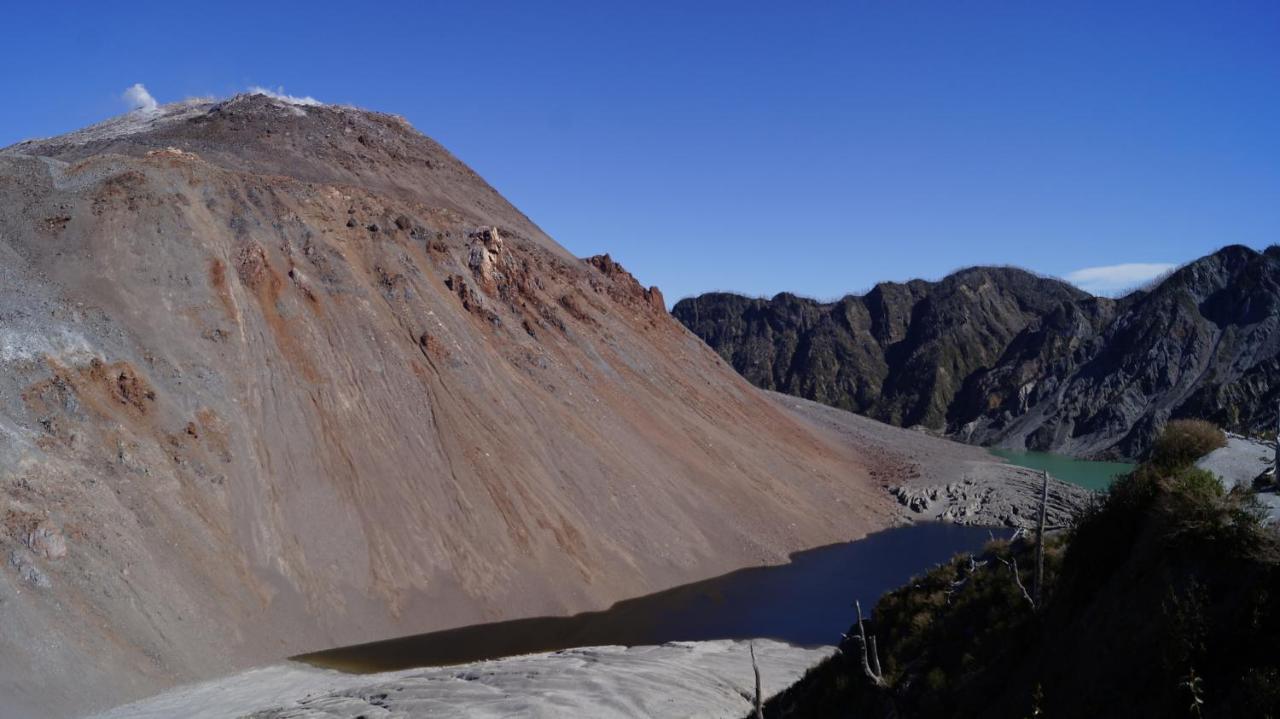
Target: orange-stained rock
274,430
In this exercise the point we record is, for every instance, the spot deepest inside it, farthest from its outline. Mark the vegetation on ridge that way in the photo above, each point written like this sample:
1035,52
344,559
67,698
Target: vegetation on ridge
1163,600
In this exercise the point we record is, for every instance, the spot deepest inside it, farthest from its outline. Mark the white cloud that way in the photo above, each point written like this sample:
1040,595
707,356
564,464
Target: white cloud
139,99
1114,279
279,94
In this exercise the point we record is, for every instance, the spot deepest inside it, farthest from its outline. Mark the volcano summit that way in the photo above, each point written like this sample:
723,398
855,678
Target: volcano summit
280,377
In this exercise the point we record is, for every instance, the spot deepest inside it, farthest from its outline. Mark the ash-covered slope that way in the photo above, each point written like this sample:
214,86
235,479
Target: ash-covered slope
999,356
255,134
279,377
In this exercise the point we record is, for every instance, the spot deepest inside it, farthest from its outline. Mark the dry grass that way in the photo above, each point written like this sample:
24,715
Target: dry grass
1184,441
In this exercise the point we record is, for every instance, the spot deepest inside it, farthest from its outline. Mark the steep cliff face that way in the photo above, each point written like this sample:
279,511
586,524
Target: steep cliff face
1102,378
279,377
899,354
998,356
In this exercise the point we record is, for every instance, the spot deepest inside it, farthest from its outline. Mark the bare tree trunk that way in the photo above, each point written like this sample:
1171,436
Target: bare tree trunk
871,667
1038,586
1275,472
759,703
1012,564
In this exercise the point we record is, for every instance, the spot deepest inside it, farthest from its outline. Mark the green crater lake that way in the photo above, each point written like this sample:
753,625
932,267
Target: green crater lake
1090,475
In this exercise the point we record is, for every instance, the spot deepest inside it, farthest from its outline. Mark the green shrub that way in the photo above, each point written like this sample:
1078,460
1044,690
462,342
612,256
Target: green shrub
1161,601
1183,441
935,680
1197,487
1200,510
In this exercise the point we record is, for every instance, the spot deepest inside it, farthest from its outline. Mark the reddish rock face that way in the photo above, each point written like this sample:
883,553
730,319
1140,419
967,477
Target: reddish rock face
275,430
655,298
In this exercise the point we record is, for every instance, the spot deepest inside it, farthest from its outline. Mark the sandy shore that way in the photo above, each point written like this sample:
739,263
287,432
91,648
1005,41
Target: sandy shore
682,679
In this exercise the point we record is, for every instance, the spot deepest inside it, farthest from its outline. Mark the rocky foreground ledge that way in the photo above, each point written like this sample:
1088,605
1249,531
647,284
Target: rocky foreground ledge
681,679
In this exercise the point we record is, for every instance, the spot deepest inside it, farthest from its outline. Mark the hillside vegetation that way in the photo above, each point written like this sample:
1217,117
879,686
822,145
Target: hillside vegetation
1163,600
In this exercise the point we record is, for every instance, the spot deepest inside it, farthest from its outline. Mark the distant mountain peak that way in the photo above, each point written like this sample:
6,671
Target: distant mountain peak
999,355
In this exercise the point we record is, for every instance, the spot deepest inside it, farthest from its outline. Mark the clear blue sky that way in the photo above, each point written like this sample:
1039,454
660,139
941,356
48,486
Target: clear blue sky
757,147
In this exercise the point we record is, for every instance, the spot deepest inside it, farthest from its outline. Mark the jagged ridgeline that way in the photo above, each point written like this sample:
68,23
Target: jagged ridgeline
1002,356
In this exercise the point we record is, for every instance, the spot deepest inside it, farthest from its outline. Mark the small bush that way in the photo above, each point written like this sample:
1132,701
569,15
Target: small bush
1197,486
1184,441
1162,597
1202,511
935,680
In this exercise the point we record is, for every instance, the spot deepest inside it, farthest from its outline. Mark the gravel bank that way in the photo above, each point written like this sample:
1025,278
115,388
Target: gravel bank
936,479
1242,461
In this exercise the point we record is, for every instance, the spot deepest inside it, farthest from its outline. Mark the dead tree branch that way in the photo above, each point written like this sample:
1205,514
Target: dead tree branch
1038,586
759,702
871,670
1275,464
1012,564
960,583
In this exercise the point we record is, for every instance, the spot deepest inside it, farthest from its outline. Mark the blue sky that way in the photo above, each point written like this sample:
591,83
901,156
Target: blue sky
757,147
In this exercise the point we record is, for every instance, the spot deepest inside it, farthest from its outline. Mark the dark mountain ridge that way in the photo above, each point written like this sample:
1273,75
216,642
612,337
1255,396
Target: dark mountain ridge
1001,356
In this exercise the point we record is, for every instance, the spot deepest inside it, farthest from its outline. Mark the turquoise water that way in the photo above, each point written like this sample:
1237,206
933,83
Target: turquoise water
1091,475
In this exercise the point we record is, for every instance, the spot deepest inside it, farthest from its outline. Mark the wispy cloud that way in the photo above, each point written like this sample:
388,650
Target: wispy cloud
139,99
279,94
1114,279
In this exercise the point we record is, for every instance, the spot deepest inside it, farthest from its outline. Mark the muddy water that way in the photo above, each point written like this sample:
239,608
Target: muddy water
808,601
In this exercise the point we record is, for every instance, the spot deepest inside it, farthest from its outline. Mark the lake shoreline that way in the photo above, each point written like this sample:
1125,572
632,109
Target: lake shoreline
806,602
964,487
619,652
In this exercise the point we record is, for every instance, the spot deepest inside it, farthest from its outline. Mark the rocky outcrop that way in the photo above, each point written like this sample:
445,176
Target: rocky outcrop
1004,500
1101,378
998,356
899,354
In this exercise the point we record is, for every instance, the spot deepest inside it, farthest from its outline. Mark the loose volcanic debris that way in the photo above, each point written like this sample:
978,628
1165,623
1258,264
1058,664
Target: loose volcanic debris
274,429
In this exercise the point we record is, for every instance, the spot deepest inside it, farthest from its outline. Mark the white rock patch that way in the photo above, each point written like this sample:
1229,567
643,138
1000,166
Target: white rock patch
681,679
